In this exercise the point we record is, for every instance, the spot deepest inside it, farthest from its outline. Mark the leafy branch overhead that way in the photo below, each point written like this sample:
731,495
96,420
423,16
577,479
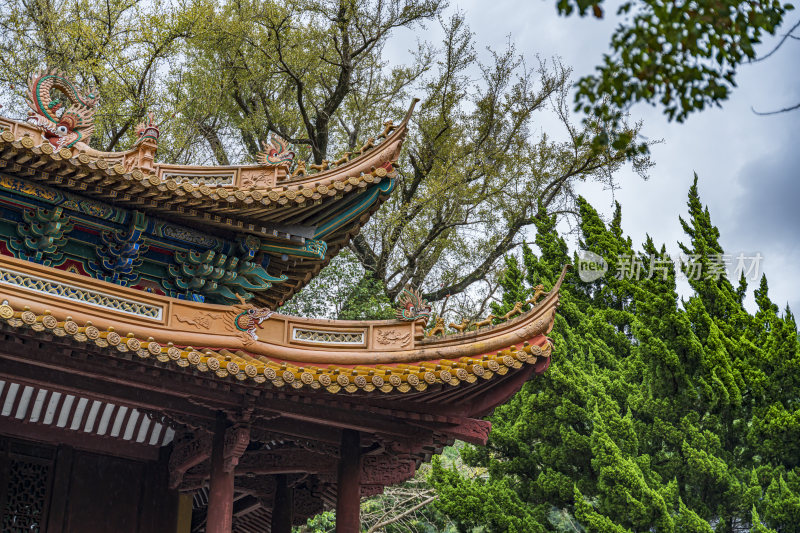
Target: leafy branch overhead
477,174
682,56
291,68
120,47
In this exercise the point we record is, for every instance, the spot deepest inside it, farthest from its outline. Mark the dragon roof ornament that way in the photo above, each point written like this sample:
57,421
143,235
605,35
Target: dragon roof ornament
64,125
276,152
148,130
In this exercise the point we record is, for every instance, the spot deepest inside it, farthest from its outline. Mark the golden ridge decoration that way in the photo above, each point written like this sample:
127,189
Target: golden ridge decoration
319,168
516,310
388,128
538,293
148,130
485,322
342,160
300,170
460,327
438,328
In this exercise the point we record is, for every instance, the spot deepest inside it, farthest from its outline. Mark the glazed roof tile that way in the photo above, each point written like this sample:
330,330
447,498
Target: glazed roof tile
243,366
103,176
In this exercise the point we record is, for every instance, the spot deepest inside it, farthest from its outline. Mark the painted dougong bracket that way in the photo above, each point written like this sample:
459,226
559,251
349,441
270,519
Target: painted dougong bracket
42,235
226,278
119,257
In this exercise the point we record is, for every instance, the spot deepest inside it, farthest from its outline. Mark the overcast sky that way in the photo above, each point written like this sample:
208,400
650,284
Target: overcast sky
747,164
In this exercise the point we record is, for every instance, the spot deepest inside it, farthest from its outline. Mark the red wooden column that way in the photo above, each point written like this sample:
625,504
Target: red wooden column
348,498
220,494
283,506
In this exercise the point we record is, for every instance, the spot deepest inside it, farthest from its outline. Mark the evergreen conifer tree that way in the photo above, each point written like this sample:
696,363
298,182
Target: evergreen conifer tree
657,414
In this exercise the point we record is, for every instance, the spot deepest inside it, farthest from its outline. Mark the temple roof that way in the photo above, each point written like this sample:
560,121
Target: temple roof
301,220
296,382
291,224
249,198
78,320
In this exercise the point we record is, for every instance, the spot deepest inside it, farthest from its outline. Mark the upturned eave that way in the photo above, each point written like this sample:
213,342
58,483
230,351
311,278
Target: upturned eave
327,356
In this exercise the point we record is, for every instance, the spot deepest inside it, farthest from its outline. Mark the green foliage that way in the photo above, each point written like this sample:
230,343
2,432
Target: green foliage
342,290
367,300
476,175
680,55
513,284
322,523
310,70
403,508
656,415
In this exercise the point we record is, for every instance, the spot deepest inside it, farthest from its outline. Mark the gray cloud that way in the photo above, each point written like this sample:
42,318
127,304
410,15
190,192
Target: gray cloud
767,210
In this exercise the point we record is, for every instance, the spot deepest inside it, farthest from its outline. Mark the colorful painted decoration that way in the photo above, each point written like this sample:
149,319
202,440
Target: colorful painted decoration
221,277
42,236
54,197
63,125
412,306
276,152
249,320
119,258
312,248
207,235
148,130
129,248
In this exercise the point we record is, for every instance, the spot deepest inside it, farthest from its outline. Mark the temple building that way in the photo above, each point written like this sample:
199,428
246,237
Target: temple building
146,383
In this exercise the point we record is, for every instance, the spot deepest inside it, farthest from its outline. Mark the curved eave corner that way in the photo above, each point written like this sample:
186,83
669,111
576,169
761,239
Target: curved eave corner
336,233
103,175
400,365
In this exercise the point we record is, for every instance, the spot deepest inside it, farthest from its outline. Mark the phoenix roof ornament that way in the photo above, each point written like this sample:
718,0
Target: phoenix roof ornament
64,112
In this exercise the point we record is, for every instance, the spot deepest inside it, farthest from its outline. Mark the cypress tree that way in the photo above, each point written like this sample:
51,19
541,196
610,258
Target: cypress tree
512,283
657,414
